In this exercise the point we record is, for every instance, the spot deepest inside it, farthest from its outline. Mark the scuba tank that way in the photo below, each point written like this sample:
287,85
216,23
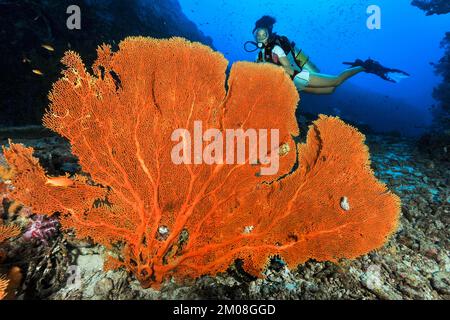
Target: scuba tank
301,59
298,57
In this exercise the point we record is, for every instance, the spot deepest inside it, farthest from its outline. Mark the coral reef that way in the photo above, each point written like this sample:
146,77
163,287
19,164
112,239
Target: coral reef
8,231
160,219
414,264
436,142
41,228
8,283
3,286
442,91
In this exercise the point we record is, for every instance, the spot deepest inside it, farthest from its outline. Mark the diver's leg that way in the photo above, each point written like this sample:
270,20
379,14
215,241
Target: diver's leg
319,80
348,73
324,90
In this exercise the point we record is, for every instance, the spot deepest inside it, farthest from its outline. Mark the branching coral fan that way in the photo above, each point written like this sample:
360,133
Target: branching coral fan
6,232
190,220
3,285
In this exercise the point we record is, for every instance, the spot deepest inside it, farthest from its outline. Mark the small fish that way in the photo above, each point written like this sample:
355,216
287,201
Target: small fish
38,72
26,60
62,181
48,47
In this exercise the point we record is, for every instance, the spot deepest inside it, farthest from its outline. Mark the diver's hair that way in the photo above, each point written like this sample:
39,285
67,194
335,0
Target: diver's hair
265,22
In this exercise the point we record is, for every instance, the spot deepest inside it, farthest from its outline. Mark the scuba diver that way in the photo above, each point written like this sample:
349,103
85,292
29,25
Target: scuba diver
305,74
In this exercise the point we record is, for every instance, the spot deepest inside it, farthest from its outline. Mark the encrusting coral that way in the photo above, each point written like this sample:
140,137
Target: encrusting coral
6,232
193,219
3,285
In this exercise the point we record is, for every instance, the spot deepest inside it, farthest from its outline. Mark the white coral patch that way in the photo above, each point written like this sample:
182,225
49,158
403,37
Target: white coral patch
345,205
248,229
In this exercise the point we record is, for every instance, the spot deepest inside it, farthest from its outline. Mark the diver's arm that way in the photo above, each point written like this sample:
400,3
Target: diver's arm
286,65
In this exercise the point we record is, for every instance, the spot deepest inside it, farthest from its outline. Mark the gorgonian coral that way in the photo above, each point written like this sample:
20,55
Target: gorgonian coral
3,285
6,232
187,220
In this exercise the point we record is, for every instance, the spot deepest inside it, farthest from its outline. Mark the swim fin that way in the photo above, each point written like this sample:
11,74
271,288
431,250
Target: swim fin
374,67
397,76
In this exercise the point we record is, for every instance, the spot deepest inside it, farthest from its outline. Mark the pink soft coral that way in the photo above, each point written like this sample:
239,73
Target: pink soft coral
41,229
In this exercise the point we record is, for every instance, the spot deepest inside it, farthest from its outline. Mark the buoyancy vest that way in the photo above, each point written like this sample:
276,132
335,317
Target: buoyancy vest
288,47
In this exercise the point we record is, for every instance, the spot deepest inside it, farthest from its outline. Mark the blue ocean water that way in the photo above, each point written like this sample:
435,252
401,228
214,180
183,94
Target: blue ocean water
333,31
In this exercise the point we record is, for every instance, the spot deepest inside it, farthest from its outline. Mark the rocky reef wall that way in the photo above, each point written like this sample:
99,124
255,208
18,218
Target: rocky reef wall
34,36
436,142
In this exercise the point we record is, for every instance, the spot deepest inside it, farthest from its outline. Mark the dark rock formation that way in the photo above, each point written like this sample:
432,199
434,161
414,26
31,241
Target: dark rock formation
26,25
442,68
436,142
433,6
442,91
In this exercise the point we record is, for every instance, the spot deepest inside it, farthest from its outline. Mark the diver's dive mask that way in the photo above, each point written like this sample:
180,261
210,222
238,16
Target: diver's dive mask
261,36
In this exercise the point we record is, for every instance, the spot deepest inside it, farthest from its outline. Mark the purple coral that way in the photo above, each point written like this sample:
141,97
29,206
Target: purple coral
41,228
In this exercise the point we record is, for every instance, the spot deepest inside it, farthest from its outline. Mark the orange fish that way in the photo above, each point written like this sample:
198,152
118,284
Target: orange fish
38,72
62,181
48,47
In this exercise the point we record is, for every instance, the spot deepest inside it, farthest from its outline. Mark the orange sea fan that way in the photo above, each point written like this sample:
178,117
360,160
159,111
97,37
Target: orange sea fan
8,231
190,220
3,285
5,172
10,283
